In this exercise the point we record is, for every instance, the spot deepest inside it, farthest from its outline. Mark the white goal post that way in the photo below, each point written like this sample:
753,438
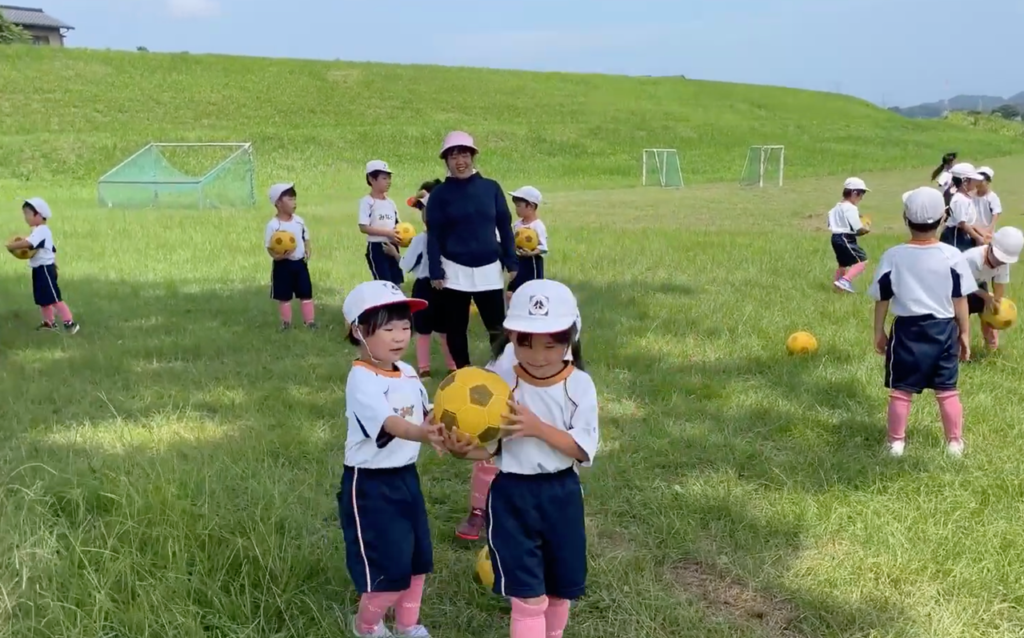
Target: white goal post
661,167
763,164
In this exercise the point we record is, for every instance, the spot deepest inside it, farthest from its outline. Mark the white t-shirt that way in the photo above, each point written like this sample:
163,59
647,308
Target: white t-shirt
944,179
920,279
539,228
844,218
296,226
975,258
466,279
414,259
567,401
377,213
988,207
371,396
961,209
41,239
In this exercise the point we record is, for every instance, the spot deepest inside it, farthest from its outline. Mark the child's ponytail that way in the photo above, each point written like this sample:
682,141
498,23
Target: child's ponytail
947,161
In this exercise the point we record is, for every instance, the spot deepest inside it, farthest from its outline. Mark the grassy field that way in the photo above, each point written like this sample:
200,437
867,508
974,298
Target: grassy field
171,470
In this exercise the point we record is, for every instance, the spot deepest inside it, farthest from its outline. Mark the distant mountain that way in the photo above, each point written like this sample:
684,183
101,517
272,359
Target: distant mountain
984,103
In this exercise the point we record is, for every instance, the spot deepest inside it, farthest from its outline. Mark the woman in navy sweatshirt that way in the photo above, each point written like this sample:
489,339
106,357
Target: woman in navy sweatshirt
467,258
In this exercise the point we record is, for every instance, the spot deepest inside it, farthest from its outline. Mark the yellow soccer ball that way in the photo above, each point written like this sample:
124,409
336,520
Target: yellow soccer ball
526,238
282,242
473,401
484,570
801,343
21,253
405,232
1004,317
866,221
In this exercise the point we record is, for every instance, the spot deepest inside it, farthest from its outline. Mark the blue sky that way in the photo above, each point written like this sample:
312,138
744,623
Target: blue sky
893,52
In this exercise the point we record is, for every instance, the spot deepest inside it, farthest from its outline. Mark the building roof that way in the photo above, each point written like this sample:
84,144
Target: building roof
29,17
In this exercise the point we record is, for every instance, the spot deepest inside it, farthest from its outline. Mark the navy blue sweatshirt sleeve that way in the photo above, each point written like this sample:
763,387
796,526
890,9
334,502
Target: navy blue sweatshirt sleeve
504,221
436,228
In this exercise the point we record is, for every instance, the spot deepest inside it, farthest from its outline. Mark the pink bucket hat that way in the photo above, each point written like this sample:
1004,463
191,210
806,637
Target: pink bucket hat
457,138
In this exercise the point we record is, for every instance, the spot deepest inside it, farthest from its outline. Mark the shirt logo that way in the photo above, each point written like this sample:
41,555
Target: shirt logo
538,306
405,412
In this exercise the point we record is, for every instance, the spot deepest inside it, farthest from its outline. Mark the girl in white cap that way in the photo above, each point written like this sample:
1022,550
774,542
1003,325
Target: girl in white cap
535,519
987,202
845,225
383,515
990,264
961,230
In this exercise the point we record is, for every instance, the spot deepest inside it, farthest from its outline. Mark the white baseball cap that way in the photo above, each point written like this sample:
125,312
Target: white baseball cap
529,193
378,165
276,190
1007,243
40,206
855,184
985,171
376,294
963,170
924,205
542,306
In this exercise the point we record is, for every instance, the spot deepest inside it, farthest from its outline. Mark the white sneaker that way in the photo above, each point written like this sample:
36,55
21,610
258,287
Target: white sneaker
896,448
844,285
955,448
416,631
380,631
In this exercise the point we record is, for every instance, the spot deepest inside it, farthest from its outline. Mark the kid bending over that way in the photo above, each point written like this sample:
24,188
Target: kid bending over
991,263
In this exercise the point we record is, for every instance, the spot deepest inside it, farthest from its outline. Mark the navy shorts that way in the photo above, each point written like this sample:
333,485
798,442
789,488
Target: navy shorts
289,279
975,304
383,266
848,251
425,321
537,535
45,290
923,353
530,268
955,237
384,520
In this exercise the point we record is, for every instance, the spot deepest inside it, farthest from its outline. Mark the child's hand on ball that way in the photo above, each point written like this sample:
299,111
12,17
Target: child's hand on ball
522,422
455,443
435,434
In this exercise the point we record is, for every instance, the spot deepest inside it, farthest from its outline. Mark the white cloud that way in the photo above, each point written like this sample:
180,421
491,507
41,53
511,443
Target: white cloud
193,8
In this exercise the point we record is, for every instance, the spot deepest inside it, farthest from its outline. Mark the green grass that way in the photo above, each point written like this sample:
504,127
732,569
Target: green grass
171,469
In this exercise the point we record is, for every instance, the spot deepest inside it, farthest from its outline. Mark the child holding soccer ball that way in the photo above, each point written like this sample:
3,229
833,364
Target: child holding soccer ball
991,264
383,515
531,262
925,283
45,290
289,276
535,518
378,217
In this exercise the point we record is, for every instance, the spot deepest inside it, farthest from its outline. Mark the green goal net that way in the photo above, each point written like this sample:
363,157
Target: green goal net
661,168
184,176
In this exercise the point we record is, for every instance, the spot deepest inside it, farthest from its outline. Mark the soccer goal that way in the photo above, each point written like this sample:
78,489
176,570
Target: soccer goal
764,165
184,176
661,168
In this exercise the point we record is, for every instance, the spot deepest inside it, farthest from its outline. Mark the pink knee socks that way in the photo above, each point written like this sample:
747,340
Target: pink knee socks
372,607
47,312
899,412
480,483
556,617
840,272
306,307
285,308
423,352
528,620
407,607
64,312
950,410
855,270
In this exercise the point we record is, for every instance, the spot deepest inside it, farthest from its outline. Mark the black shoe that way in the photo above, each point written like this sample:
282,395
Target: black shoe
285,326
46,325
70,327
312,325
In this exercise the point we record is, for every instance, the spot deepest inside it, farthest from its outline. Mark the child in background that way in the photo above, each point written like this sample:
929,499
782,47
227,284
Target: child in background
289,277
991,263
941,175
925,283
43,263
383,515
535,517
961,230
987,203
378,217
845,225
414,261
531,262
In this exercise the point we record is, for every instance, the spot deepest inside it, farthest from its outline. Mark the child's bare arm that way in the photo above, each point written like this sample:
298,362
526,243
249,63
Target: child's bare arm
998,290
19,244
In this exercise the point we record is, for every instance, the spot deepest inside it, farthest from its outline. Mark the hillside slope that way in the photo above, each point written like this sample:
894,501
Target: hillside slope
72,114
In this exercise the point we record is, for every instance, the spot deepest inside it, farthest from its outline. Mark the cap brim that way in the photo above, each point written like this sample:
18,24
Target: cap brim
540,325
1003,257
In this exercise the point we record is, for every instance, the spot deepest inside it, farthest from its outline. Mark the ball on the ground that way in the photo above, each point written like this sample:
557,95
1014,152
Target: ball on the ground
484,571
801,343
21,253
1004,317
526,238
405,232
282,242
474,402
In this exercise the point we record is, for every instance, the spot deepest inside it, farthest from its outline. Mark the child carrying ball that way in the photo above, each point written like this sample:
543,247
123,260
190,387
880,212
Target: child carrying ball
43,263
535,517
991,263
414,261
845,225
925,283
383,515
531,262
378,216
289,276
